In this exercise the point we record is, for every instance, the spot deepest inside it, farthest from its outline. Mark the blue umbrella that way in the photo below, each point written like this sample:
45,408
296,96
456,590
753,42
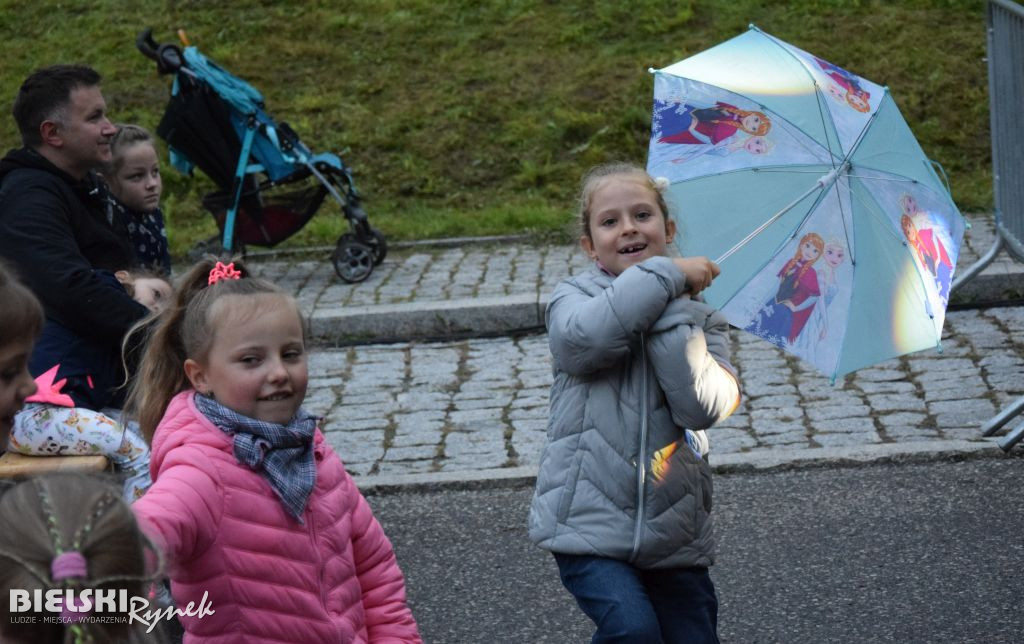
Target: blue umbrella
836,237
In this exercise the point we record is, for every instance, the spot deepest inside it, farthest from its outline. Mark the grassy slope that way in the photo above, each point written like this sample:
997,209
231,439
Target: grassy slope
463,117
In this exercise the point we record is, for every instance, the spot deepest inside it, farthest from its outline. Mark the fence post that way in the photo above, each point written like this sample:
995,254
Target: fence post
1006,98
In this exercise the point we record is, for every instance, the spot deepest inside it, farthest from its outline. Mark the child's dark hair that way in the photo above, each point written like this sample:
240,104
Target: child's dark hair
127,135
21,316
69,517
186,329
593,179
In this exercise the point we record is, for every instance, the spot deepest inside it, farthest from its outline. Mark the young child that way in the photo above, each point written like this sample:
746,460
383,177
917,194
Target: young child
21,319
623,496
70,532
133,176
146,287
77,407
249,503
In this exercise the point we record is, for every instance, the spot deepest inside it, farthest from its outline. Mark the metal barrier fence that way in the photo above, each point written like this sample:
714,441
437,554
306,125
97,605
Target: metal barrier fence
1006,101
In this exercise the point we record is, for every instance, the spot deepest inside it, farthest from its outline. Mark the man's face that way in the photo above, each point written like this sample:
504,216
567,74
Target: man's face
83,134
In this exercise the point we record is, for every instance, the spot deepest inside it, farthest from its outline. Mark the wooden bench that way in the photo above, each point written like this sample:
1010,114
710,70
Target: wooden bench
16,466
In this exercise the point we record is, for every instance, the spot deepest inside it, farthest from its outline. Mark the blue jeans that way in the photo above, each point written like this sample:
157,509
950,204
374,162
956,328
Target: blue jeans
650,606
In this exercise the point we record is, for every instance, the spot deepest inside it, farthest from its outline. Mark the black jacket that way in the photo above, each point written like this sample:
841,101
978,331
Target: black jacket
91,373
55,230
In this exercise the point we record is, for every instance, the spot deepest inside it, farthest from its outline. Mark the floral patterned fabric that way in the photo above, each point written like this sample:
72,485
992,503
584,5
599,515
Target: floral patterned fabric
51,430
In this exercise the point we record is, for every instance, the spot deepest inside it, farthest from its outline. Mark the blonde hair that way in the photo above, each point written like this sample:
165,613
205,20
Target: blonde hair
21,316
52,514
830,271
127,135
593,179
186,329
135,274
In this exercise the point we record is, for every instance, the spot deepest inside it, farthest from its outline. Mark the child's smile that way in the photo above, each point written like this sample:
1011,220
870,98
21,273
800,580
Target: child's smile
257,363
626,225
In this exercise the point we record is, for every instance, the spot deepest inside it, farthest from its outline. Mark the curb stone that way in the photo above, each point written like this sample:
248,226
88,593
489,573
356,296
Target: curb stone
763,461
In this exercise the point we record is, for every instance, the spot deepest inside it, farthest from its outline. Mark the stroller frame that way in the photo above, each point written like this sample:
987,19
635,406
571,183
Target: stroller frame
217,121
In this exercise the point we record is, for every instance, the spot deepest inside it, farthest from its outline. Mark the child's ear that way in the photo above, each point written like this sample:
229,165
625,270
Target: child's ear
196,375
670,229
123,277
587,244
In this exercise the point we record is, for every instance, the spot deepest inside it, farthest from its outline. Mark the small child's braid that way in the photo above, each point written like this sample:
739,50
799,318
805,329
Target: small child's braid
79,634
49,516
108,499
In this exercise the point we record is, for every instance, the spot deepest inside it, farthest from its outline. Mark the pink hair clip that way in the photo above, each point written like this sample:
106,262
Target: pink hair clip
223,272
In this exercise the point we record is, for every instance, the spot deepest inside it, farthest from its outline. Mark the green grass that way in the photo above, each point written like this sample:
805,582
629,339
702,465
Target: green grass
461,117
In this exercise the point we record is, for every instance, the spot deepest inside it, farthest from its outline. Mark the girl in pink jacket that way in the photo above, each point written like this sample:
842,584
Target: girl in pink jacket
254,511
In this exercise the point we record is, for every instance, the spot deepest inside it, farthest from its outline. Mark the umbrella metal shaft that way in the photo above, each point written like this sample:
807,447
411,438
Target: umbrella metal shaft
823,183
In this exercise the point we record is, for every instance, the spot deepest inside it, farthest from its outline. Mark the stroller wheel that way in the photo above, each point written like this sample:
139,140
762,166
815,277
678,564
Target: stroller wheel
378,245
353,260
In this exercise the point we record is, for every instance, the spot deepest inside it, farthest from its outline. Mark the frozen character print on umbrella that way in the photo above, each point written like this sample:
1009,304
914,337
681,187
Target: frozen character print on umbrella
689,124
786,312
811,340
845,87
926,243
754,145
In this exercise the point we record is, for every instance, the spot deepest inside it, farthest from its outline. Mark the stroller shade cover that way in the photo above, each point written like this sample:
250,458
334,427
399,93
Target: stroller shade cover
212,120
268,183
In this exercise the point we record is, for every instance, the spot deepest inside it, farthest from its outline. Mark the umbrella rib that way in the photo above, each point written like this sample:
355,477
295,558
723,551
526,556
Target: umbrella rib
821,184
871,208
819,99
896,179
781,170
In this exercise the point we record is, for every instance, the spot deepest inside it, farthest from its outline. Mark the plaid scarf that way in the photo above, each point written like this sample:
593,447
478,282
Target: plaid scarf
282,454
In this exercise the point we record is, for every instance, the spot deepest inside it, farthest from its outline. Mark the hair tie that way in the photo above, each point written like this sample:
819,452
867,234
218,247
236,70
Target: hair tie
69,565
661,184
223,272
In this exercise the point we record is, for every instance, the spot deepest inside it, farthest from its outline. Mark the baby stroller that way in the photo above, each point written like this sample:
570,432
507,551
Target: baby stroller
269,183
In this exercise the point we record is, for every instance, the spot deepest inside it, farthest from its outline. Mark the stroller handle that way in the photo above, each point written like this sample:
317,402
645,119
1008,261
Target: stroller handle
168,57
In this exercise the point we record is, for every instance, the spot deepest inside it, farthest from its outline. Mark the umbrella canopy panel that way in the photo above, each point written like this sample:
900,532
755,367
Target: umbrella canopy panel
837,236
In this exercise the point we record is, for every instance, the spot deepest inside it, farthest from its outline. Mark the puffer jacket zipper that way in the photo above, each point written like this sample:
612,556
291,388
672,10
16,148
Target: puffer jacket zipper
641,459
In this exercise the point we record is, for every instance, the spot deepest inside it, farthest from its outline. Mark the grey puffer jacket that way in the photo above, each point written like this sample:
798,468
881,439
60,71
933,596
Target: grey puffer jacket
634,364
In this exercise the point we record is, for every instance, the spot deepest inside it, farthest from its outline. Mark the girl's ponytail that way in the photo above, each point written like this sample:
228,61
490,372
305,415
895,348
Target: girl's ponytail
161,373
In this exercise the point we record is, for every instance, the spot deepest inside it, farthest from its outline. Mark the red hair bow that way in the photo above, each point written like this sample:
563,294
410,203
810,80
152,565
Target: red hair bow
223,272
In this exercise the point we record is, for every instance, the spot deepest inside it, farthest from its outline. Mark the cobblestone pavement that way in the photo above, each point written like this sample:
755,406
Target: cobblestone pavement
425,274
470,409
479,407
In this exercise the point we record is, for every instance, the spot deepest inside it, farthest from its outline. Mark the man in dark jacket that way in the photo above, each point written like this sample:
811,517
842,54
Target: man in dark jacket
53,220
55,227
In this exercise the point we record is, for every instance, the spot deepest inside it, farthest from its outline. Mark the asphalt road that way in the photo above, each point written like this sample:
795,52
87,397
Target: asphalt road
880,553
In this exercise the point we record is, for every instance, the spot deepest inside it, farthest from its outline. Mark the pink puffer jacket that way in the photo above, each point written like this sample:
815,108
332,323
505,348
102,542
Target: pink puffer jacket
269,578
